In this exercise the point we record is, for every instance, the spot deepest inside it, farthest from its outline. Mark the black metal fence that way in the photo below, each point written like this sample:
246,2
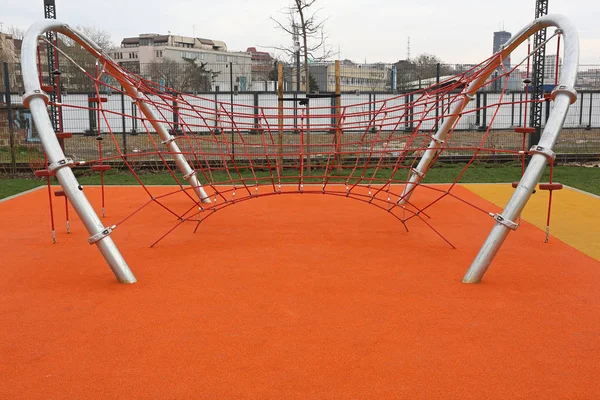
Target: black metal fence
247,77
20,147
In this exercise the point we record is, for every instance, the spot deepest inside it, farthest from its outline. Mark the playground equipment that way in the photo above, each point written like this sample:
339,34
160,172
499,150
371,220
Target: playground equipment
219,153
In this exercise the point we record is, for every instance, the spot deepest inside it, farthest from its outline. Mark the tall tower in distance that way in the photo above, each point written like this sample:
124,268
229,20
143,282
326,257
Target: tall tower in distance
500,38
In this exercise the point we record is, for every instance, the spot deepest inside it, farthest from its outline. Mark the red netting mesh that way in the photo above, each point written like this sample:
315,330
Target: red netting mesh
366,151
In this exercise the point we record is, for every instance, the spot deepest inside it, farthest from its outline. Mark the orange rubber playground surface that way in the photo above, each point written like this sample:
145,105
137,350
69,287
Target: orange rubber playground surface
301,297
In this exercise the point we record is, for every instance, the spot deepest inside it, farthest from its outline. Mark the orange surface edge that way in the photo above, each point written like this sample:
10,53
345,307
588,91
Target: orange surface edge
293,297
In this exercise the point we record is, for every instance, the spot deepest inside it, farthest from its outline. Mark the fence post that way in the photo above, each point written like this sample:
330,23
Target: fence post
591,109
9,120
437,97
231,108
123,129
338,104
512,110
256,117
280,114
580,108
485,125
176,129
478,110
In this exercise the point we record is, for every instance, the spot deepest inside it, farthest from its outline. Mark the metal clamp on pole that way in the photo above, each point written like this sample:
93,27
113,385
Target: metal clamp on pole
416,172
169,140
33,94
437,140
188,176
101,235
549,154
569,91
506,222
60,163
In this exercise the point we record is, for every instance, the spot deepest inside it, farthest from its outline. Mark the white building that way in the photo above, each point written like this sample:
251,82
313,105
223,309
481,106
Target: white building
550,68
142,54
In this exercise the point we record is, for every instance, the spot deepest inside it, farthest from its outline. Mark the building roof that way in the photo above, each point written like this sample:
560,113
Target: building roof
259,55
171,40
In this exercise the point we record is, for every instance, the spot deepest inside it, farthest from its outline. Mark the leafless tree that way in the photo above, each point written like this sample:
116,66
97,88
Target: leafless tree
307,31
76,57
8,50
14,31
188,76
421,68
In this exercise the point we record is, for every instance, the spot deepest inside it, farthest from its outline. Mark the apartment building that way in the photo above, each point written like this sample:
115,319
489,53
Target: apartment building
144,54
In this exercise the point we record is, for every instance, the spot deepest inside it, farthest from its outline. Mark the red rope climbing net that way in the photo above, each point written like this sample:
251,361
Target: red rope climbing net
237,152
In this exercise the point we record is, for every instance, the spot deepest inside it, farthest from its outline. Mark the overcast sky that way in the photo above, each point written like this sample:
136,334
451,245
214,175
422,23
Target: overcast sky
371,30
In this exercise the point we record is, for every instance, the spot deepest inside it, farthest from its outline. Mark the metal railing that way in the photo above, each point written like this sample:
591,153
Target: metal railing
232,77
20,148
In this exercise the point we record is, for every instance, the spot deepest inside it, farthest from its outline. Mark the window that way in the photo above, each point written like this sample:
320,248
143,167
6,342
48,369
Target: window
118,56
190,55
159,53
133,55
186,45
221,58
146,42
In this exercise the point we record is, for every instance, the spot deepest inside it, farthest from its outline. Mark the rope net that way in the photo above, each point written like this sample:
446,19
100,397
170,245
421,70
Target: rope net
218,153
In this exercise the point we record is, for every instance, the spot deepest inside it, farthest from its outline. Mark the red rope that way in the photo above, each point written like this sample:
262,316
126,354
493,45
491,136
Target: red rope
379,153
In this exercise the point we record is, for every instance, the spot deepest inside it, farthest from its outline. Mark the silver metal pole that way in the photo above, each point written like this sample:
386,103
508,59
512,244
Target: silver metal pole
189,174
424,165
36,100
564,95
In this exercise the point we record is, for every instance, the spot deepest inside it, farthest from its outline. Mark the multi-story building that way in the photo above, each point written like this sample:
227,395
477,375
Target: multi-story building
499,82
262,62
263,70
500,38
353,77
550,65
153,56
9,48
9,52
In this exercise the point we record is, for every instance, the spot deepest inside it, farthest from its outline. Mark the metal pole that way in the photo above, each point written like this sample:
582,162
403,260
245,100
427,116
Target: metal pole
539,62
338,104
11,133
280,115
419,172
563,95
36,100
437,97
298,71
231,108
123,125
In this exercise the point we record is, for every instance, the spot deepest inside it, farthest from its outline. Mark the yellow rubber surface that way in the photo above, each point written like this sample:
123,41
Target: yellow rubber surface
575,217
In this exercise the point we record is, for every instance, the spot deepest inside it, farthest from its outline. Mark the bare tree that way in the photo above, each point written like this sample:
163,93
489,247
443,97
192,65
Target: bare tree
7,49
72,77
188,76
420,70
307,30
14,31
426,65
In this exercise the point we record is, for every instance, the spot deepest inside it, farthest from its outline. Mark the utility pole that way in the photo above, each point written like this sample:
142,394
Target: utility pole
539,61
297,55
53,71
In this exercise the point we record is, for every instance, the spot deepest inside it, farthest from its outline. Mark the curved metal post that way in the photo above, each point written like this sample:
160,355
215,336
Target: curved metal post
564,95
422,168
36,100
168,140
